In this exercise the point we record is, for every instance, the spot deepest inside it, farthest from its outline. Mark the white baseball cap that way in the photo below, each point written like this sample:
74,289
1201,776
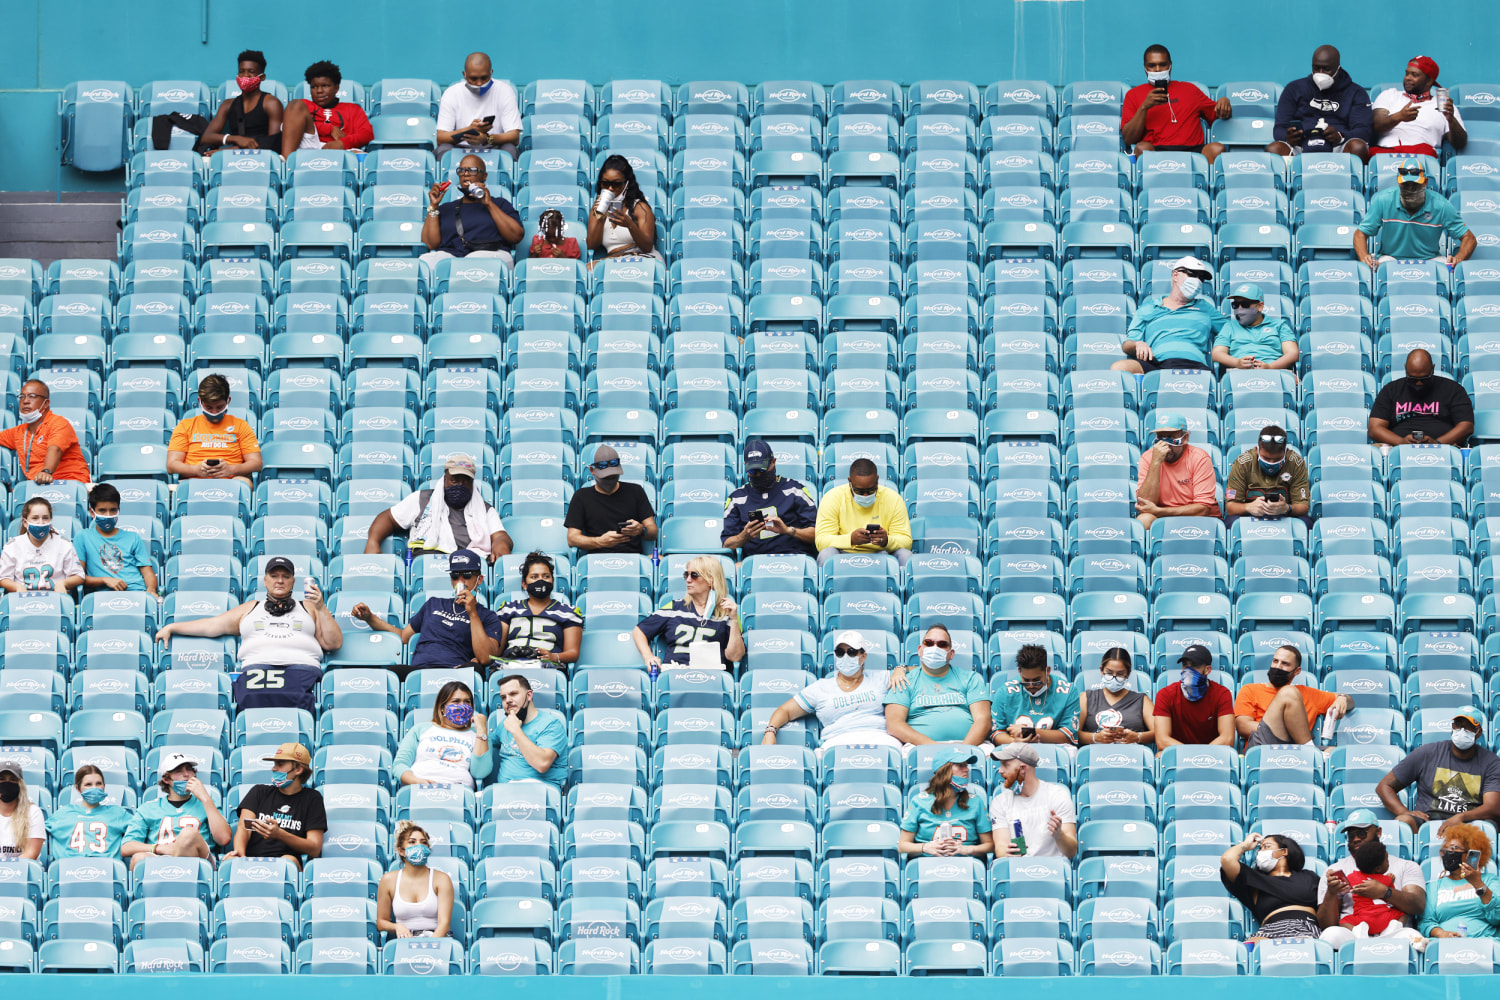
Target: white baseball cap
175,759
852,639
1194,265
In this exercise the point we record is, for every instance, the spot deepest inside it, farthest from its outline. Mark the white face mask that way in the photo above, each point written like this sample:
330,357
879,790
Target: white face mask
1463,739
1188,287
1114,684
1265,859
934,658
1323,80
1158,77
32,417
846,665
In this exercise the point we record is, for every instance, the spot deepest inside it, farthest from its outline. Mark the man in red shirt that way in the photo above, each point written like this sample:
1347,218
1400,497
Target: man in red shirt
45,444
1174,479
1194,710
1168,115
321,120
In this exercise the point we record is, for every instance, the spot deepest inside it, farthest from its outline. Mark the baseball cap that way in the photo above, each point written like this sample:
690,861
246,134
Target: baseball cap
758,455
1473,718
604,453
1197,656
463,561
1361,818
955,755
1411,172
459,465
852,639
281,563
1427,66
1249,291
294,752
14,765
175,759
1170,420
1023,752
1194,266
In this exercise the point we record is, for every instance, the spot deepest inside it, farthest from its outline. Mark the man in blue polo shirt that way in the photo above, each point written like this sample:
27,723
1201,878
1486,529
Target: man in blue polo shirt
1252,339
1410,220
1174,332
772,515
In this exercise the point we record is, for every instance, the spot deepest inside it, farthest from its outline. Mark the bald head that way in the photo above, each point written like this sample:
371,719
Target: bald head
1419,364
473,162
478,62
1326,59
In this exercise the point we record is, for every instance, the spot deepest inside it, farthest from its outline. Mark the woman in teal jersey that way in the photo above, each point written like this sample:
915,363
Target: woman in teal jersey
88,827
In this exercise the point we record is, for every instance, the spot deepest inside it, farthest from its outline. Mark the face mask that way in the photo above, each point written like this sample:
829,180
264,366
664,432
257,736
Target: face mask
540,589
1279,678
1188,287
1370,857
1114,684
934,658
1323,80
280,779
479,90
1246,315
179,788
1194,684
846,665
10,791
39,531
1265,860
214,418
32,417
459,713
762,481
93,796
1270,467
1158,77
278,606
247,84
1419,388
1463,739
1452,859
960,785
106,524
417,854
458,494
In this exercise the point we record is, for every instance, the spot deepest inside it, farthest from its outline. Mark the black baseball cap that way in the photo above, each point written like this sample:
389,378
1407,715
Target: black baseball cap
280,562
1196,656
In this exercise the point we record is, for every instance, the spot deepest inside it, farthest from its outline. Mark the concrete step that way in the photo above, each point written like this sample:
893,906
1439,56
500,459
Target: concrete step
35,224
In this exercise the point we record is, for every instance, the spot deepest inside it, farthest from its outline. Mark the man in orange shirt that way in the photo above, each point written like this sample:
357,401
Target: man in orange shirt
1174,479
1283,712
45,444
214,444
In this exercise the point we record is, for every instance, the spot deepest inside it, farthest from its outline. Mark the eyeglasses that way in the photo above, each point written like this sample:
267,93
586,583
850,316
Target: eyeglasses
469,170
692,574
613,463
846,651
31,395
1273,439
939,643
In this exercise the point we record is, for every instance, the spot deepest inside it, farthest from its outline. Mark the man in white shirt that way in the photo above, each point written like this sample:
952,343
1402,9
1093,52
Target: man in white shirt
466,105
1408,893
1043,808
447,516
1409,120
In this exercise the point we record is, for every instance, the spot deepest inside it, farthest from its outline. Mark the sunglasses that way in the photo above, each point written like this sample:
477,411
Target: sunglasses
692,574
864,493
1173,441
1273,439
1415,176
463,576
612,185
939,643
613,463
846,651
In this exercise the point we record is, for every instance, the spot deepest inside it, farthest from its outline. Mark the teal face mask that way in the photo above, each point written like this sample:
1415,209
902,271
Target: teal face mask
93,796
179,788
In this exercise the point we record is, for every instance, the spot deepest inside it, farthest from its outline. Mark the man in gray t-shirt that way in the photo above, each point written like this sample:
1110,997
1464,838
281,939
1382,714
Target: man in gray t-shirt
1458,781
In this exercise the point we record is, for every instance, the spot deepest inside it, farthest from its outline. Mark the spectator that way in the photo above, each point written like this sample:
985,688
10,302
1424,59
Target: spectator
532,738
448,515
454,631
452,749
282,640
622,223
40,558
609,516
863,516
1422,408
1281,711
1173,332
1461,900
1410,220
1268,481
214,443
1368,883
1458,781
550,239
249,120
950,802
321,120
940,703
1410,121
478,111
1251,339
1039,811
1167,115
539,626
1036,706
849,705
695,632
45,443
770,515
90,826
172,824
1113,712
113,558
1278,891
1174,479
1194,710
477,224
1326,112
23,830
284,819
405,910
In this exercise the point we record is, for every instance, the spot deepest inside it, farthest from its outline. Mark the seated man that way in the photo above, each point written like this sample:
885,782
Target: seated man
1173,332
1037,707
1410,120
113,558
321,120
531,739
1422,408
1410,220
1174,479
1407,891
45,443
863,516
1458,780
454,631
1194,710
1283,712
610,515
940,702
445,517
1269,480
478,111
1166,114
1252,339
478,224
173,823
770,515
249,120
284,819
1043,809
214,444
1325,112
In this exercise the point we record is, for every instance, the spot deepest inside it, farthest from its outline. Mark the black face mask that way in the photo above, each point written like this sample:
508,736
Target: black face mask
278,606
458,494
540,589
1370,856
1451,859
763,480
1419,388
10,791
1279,678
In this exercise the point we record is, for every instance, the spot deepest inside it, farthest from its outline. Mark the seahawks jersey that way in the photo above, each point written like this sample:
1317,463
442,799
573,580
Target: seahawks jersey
539,631
678,625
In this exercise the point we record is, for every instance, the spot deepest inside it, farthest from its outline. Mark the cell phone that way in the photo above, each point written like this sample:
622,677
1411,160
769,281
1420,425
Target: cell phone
1418,436
621,526
1472,859
213,461
872,527
488,120
1159,85
1027,732
444,186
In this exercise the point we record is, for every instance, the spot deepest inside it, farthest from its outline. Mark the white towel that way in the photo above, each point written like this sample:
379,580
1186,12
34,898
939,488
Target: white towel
431,530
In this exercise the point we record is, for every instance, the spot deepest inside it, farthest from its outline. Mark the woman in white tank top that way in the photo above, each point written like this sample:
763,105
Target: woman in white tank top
414,900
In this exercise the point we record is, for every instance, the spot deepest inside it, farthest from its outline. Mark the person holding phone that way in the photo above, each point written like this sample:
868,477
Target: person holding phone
610,515
1035,706
626,225
1461,899
214,443
770,514
531,738
1329,97
285,819
947,818
478,111
861,515
1168,115
1422,408
1369,882
1113,712
707,615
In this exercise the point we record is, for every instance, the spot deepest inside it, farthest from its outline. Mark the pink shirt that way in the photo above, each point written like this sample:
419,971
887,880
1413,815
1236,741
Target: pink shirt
1188,480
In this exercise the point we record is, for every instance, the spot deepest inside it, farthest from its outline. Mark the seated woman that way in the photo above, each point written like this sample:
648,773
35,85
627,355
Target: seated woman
621,223
949,817
693,622
252,118
39,558
23,830
850,705
452,749
1282,896
91,828
1112,712
1462,900
539,626
322,121
414,900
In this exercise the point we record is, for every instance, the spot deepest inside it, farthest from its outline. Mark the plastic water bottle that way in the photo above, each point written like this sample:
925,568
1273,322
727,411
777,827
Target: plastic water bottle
654,671
1463,929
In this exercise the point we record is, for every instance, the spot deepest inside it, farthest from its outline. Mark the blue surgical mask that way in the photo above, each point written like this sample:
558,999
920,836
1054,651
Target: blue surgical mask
1114,684
93,796
106,524
1189,287
39,531
179,788
214,418
417,854
865,501
1194,684
934,658
280,779
846,665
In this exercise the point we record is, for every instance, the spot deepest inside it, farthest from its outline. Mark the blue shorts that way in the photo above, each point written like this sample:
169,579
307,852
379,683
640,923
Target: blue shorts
265,685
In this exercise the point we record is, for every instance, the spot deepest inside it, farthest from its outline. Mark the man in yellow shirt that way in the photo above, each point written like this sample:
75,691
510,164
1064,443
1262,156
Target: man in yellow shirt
214,444
863,516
